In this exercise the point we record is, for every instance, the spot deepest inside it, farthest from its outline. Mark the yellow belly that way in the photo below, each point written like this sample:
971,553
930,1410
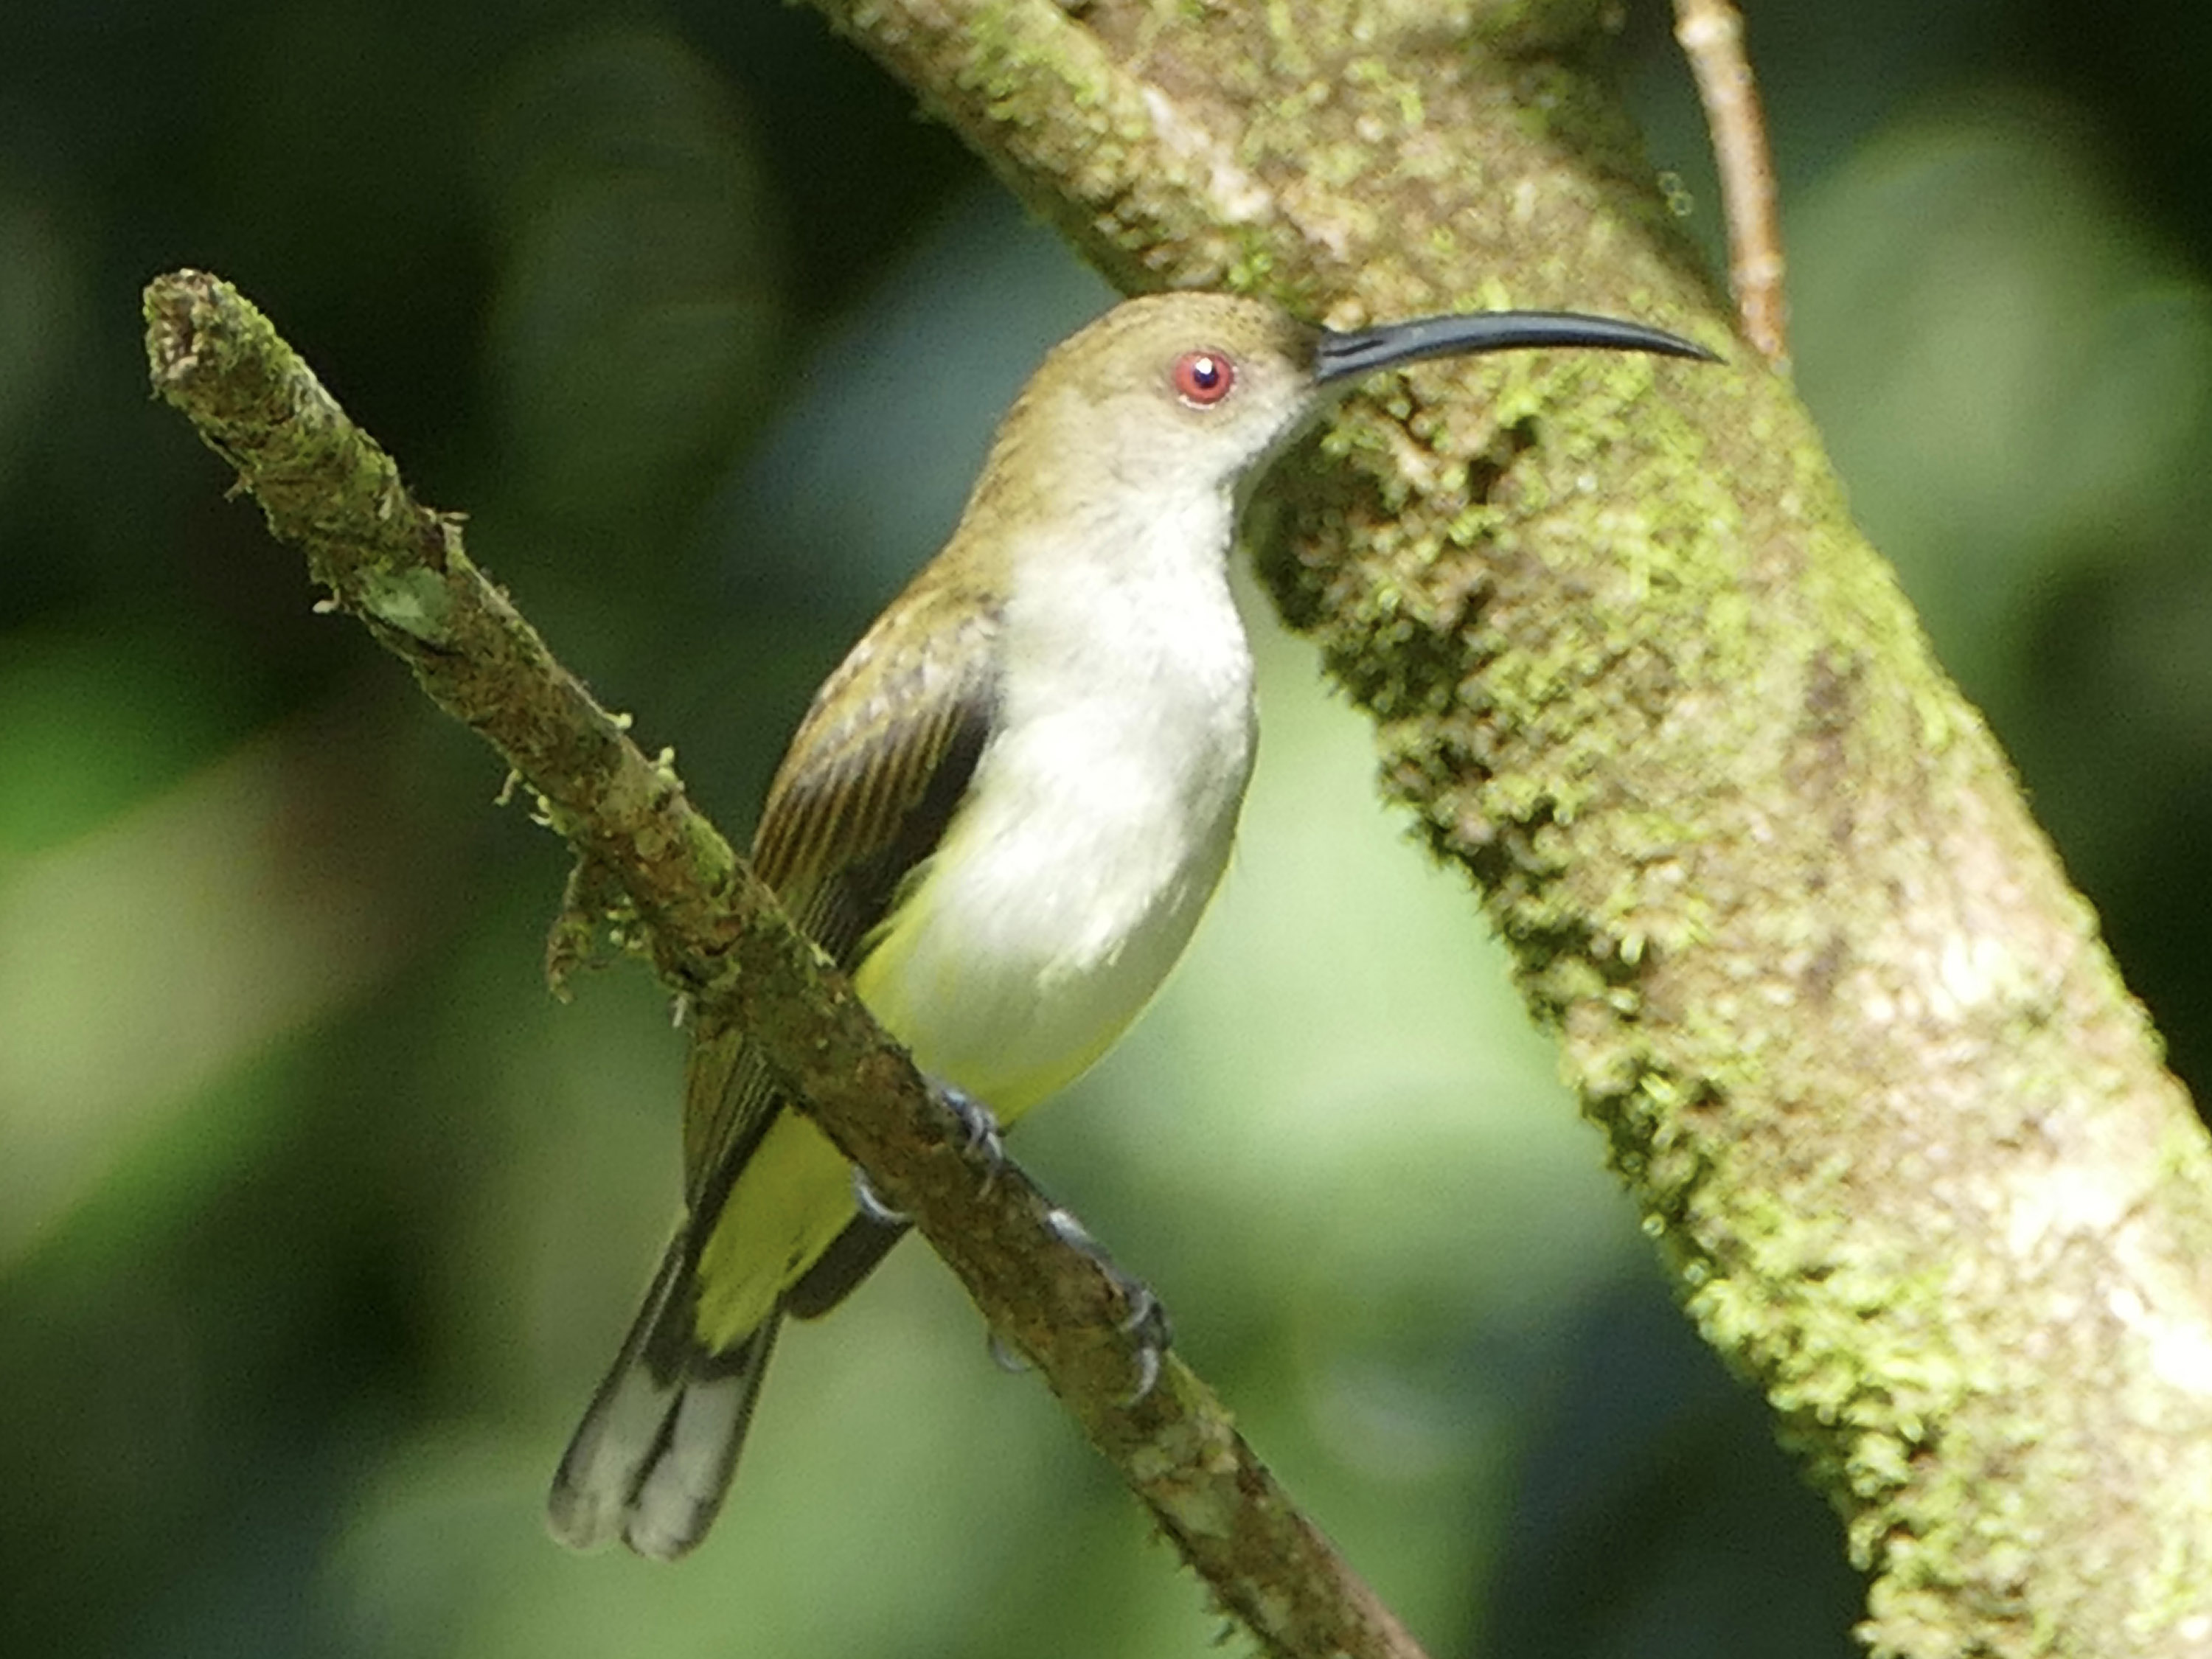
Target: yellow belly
795,1194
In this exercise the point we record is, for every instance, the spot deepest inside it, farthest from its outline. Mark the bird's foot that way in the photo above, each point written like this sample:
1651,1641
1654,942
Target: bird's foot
979,1125
865,1201
1006,1357
980,1130
1147,1321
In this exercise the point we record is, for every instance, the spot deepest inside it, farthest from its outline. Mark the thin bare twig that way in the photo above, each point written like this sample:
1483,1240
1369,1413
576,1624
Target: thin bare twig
1710,34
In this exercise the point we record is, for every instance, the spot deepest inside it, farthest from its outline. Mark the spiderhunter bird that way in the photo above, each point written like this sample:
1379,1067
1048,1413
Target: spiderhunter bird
1002,815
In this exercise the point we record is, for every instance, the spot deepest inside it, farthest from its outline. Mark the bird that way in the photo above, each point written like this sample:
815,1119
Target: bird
1002,815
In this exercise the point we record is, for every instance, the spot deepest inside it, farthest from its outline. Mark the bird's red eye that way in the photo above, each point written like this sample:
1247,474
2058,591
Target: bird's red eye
1202,378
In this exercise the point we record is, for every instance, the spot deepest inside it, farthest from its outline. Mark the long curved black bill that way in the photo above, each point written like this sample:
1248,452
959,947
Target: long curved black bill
1364,350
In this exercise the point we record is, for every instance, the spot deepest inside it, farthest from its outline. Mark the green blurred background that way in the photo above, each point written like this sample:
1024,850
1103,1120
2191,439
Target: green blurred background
319,1217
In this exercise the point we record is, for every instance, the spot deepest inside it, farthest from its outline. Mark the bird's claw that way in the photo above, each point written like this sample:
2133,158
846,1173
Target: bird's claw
980,1127
1006,1357
1147,1318
871,1205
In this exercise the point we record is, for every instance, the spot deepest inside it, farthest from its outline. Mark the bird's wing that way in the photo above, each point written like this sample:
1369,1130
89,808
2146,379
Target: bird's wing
874,775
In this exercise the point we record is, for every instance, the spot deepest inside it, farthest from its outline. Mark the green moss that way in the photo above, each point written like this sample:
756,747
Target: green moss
414,600
1633,672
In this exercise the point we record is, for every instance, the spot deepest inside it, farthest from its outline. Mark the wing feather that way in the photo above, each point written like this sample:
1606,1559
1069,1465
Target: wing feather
873,775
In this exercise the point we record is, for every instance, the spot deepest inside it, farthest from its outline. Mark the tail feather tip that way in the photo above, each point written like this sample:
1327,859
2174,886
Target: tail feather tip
652,1459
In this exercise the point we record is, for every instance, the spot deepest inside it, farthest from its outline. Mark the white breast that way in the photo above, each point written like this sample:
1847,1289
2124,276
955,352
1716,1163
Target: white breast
1098,823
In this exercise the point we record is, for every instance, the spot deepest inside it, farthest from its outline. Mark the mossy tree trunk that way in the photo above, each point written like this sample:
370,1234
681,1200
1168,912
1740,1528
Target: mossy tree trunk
1861,1057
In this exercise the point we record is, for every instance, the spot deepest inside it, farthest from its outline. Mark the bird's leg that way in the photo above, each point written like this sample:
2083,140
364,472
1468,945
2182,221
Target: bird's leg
1006,1357
980,1125
864,1199
1147,1319
980,1132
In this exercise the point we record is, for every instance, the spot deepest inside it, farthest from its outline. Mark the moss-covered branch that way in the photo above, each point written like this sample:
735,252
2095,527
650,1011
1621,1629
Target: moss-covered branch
719,940
1862,1056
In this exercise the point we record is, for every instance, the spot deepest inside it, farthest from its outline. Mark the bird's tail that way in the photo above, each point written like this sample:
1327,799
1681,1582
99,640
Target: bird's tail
653,1458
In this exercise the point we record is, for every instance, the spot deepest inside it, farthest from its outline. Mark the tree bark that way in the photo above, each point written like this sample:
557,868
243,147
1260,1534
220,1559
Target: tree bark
1864,1061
